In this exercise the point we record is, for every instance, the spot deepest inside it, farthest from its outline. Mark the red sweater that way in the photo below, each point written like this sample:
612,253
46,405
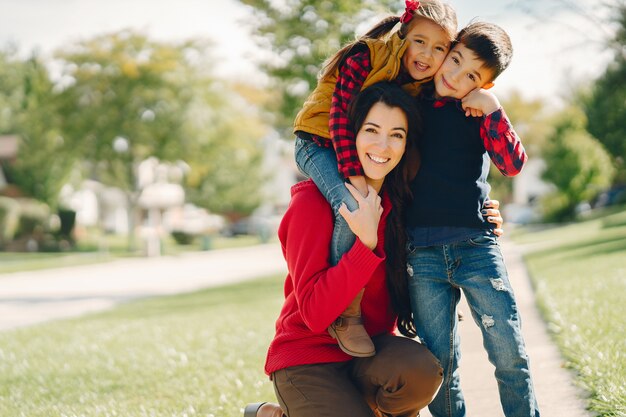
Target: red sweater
316,293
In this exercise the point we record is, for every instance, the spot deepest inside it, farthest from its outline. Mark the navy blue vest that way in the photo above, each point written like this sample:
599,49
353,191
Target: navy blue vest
451,185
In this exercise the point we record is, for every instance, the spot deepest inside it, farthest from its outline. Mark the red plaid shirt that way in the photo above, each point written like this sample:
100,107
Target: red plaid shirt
500,140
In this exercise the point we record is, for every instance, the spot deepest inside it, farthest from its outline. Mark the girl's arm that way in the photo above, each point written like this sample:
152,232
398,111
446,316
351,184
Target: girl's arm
350,79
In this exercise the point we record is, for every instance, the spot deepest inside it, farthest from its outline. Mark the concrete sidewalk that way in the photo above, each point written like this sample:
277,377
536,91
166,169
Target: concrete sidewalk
32,297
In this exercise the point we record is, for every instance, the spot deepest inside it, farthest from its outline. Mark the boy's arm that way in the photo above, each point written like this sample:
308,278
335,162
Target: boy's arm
350,79
479,102
501,142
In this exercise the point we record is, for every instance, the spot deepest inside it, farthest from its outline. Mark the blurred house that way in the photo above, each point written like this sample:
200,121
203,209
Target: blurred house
528,188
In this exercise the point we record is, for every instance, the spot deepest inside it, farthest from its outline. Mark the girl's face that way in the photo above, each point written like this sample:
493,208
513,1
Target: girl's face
461,72
428,46
380,142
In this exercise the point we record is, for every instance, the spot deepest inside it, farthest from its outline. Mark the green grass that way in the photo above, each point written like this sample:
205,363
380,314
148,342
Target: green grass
18,261
579,273
200,354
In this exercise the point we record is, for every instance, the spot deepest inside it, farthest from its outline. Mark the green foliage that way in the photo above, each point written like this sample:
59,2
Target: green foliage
226,175
124,100
606,105
9,218
27,97
11,93
130,98
578,272
577,165
299,35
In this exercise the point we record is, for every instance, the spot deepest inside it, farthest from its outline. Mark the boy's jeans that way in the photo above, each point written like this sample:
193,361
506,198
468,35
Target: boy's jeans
320,164
436,276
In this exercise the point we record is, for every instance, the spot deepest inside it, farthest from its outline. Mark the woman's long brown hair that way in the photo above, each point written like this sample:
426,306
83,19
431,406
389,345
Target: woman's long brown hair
397,188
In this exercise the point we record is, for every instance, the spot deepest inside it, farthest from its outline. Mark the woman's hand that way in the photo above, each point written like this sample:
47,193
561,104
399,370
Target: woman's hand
492,212
364,221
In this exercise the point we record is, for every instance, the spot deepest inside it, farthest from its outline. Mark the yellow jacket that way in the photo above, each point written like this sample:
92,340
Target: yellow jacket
385,60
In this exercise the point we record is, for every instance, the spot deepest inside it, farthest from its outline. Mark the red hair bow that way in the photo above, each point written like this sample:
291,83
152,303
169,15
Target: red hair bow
409,11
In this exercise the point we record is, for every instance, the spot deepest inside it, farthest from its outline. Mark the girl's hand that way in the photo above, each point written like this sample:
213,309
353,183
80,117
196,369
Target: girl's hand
492,212
364,221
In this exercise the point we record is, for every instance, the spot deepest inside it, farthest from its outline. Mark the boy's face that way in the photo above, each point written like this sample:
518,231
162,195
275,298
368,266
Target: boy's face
428,46
461,72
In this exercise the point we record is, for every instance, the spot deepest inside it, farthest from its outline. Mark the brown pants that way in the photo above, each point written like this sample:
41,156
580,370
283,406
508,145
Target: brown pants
401,379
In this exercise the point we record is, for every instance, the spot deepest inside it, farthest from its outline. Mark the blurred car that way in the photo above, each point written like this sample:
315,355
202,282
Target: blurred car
263,222
610,197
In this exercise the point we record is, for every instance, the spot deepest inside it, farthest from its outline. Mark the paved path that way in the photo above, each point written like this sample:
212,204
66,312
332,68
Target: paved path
31,297
36,296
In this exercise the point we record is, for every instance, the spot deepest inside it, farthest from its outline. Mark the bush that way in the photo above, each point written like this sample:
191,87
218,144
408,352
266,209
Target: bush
9,218
579,167
183,238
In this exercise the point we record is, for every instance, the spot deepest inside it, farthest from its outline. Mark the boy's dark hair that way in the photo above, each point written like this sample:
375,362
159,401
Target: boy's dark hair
490,43
397,188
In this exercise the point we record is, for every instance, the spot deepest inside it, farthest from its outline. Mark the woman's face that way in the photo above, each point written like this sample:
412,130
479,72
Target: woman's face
380,142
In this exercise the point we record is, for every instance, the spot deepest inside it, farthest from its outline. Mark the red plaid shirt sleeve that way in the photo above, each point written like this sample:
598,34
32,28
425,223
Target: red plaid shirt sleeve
502,143
352,75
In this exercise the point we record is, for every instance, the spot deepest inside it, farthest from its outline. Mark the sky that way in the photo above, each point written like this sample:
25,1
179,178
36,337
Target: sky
550,56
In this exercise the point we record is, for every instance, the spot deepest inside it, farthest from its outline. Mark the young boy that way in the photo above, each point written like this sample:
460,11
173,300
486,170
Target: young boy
451,246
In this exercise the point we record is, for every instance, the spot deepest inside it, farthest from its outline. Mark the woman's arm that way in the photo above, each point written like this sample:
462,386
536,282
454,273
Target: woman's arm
322,291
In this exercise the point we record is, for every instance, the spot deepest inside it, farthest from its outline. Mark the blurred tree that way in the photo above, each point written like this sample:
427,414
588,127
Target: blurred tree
577,165
606,105
297,36
12,71
125,98
44,160
225,175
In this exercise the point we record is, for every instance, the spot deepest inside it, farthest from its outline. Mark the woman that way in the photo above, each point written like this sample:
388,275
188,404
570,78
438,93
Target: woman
312,376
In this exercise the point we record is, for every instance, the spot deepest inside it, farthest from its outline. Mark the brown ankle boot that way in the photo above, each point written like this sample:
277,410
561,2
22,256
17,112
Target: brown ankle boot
263,410
349,331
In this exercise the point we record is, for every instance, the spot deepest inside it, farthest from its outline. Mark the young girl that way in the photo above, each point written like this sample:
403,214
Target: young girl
310,373
325,147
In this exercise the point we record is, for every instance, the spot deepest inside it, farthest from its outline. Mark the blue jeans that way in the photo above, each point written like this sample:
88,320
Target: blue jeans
320,164
437,274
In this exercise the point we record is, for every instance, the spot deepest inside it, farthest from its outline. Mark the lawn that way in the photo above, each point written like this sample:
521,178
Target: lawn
579,273
199,354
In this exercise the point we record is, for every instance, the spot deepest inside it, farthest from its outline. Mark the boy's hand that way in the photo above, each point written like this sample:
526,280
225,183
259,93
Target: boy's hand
479,102
364,221
360,184
491,210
